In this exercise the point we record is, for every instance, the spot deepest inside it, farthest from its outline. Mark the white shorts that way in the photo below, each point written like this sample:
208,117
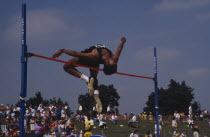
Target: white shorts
32,126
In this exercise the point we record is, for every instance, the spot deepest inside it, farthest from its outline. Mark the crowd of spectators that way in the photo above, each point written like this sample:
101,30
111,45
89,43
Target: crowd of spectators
53,120
39,120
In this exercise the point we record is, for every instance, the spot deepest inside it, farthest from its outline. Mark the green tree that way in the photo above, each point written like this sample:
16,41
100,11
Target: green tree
38,99
108,95
177,97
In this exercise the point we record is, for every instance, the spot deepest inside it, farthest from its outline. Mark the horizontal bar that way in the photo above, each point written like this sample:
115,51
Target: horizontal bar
61,61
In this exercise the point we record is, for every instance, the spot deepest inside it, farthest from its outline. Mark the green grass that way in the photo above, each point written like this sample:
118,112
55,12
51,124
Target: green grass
115,130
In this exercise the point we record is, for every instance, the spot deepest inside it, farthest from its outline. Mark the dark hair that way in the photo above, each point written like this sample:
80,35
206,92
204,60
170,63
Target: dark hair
110,69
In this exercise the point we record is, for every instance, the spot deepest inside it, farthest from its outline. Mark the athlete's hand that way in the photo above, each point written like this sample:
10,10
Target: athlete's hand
123,40
57,54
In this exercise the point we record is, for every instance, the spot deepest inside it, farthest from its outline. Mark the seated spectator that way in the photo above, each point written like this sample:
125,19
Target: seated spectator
114,119
148,134
175,133
38,129
183,134
195,132
100,117
70,126
134,133
61,127
190,123
32,124
14,131
174,123
201,116
209,124
182,116
130,123
134,119
177,116
1,133
125,116
102,124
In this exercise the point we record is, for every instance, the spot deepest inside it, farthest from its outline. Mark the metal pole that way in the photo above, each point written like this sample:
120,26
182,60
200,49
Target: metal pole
23,70
156,91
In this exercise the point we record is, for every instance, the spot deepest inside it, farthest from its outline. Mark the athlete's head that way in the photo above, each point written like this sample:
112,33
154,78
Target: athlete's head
110,69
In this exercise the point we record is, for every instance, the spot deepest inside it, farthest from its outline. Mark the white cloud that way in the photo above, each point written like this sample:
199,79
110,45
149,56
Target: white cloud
45,24
177,5
199,72
163,54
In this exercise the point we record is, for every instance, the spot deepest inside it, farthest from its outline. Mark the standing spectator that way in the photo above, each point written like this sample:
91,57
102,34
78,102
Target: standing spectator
89,123
141,116
131,114
80,110
63,113
2,111
190,111
58,112
116,111
94,113
144,116
156,128
160,117
108,110
150,116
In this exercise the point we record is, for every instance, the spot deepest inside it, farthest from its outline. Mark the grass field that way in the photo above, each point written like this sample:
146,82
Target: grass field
115,130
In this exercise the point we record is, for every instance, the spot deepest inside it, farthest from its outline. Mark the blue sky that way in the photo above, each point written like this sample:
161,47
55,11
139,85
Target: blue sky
178,28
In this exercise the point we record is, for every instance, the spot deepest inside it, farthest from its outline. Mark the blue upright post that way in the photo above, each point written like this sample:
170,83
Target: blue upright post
156,91
23,70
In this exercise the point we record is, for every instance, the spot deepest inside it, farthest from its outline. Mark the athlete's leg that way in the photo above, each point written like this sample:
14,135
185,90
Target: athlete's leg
93,82
71,69
94,74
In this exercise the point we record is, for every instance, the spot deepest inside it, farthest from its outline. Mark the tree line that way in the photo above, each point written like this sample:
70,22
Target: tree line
176,97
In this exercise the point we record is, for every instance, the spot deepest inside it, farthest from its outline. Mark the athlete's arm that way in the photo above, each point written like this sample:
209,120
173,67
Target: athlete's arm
90,55
119,49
